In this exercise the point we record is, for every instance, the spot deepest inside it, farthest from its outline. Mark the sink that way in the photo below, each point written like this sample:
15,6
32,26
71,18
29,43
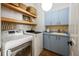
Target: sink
56,33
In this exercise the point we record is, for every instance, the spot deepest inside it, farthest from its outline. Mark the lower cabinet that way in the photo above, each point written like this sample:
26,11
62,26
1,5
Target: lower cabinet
46,41
62,45
57,44
53,43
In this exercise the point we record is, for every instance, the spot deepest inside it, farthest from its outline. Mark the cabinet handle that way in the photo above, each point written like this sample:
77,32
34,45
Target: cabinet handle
70,43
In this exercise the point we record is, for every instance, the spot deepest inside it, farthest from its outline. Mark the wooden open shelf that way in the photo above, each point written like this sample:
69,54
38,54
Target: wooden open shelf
4,19
18,9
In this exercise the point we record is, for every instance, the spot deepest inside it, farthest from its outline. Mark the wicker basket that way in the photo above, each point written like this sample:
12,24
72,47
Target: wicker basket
31,10
22,6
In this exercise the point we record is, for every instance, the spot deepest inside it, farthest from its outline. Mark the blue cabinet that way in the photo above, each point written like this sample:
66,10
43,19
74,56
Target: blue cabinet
57,44
54,16
58,17
63,45
64,16
48,18
53,43
46,42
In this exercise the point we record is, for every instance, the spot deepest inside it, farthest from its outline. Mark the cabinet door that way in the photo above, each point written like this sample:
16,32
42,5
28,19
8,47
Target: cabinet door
59,44
60,17
53,43
54,17
46,41
64,16
48,18
63,47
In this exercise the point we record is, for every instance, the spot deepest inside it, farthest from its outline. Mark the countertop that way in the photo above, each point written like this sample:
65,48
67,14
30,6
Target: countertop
50,33
31,31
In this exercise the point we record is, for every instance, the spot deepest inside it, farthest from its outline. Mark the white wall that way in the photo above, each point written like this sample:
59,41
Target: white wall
5,12
40,19
18,16
40,16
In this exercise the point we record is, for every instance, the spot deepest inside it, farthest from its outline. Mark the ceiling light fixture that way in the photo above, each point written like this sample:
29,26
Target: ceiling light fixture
46,5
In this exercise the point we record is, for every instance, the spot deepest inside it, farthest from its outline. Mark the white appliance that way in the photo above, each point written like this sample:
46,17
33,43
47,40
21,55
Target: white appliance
37,42
12,39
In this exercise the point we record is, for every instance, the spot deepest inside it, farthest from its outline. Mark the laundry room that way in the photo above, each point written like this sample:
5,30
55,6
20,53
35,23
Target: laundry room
28,29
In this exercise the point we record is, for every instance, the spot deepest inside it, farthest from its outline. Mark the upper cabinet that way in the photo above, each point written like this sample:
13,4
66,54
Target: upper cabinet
47,18
63,16
58,17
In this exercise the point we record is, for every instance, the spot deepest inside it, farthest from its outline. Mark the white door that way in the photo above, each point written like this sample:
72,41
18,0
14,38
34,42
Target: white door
74,28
